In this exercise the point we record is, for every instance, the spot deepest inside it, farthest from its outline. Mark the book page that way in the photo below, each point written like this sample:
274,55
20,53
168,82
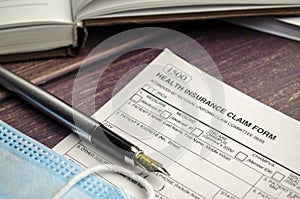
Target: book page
98,8
16,13
290,20
184,10
77,5
214,141
284,27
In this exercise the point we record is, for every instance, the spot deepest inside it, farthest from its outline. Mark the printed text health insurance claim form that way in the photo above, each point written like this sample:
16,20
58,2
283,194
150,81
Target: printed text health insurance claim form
215,141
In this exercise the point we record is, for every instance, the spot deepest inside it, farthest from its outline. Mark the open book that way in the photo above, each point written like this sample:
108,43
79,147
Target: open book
40,25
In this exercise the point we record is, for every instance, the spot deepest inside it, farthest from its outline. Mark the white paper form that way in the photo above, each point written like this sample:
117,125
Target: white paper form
214,141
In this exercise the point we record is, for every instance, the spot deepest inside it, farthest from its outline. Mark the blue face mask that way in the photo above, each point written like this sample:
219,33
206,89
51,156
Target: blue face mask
30,170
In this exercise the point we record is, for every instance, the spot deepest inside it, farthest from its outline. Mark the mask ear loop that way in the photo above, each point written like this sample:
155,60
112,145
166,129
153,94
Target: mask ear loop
106,168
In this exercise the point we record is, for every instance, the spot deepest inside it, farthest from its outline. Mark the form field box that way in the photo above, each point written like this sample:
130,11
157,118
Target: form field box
166,114
148,88
197,132
136,98
278,176
241,156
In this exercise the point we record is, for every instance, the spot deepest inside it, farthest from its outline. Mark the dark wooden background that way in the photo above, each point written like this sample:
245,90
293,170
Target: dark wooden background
260,65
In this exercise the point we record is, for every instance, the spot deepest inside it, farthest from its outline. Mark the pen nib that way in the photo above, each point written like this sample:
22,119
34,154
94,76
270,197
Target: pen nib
149,164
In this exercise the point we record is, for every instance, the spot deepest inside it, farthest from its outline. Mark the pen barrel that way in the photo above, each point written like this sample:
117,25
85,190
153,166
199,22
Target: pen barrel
49,104
112,143
83,125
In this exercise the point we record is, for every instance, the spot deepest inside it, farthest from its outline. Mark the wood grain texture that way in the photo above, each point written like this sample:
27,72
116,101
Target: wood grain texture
260,65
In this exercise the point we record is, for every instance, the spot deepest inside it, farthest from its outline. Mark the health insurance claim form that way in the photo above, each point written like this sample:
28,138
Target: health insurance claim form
215,141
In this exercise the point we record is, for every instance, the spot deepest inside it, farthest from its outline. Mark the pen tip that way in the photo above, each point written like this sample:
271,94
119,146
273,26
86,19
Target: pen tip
149,164
162,170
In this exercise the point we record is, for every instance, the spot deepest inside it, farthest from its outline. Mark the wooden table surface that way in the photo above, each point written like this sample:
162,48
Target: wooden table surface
260,65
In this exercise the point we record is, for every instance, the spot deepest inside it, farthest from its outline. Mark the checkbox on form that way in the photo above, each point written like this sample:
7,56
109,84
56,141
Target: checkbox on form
136,98
197,132
241,156
278,176
166,114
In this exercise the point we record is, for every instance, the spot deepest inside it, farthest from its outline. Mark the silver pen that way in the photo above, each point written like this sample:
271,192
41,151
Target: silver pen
80,123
